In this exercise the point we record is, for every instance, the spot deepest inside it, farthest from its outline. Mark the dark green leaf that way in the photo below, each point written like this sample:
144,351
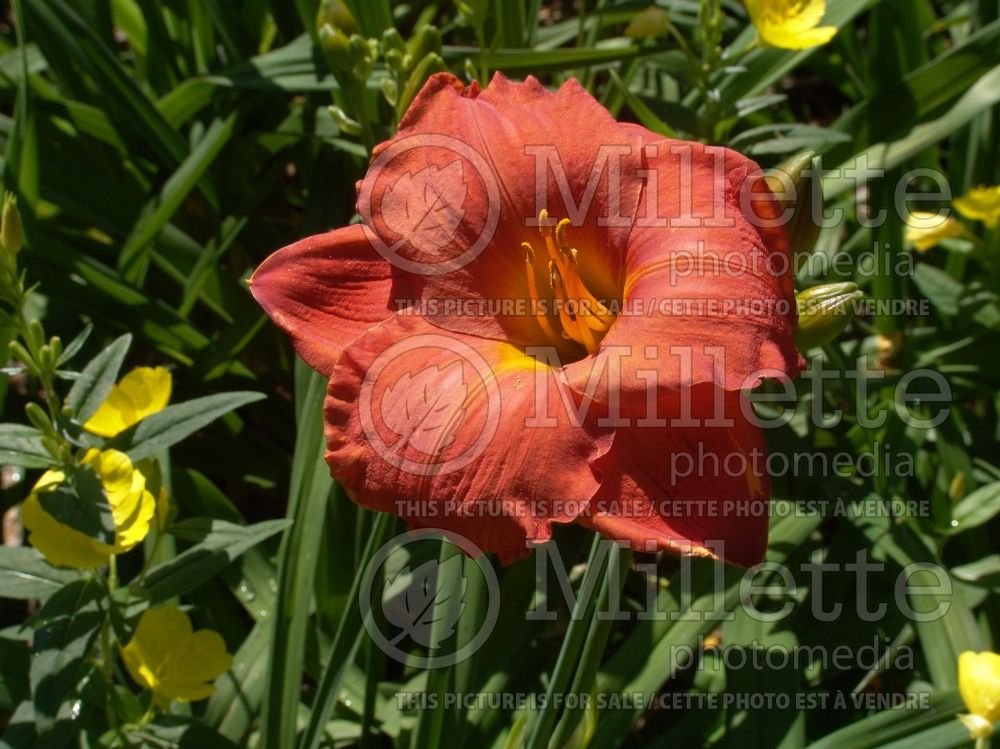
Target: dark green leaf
218,544
174,423
97,379
67,625
24,574
21,445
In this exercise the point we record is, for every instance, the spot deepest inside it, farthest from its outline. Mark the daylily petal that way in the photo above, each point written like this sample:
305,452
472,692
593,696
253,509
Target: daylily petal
465,172
697,490
439,429
708,297
326,290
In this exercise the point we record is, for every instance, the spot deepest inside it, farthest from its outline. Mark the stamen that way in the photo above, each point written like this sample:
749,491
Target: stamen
573,328
535,299
590,319
544,227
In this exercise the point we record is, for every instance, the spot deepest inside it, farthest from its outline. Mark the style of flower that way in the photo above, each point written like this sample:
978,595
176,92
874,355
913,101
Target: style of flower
166,656
132,509
790,24
979,685
926,229
526,359
141,393
981,204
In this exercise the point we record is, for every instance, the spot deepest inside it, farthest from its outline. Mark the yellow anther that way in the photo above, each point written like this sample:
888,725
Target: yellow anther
544,227
584,319
561,234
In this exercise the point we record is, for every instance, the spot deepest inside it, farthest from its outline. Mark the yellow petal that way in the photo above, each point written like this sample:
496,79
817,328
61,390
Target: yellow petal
149,388
779,36
159,631
981,204
115,414
166,656
925,229
140,393
979,683
132,506
59,544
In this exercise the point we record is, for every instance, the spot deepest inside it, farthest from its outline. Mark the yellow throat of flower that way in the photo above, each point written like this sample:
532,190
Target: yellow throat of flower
582,317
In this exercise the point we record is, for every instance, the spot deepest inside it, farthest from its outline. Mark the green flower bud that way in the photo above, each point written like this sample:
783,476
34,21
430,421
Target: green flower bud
12,232
19,353
363,54
334,13
390,91
394,60
803,196
336,49
39,419
425,41
392,40
345,123
824,313
431,64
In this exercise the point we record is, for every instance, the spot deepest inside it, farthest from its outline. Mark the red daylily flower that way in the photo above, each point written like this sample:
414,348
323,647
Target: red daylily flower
547,316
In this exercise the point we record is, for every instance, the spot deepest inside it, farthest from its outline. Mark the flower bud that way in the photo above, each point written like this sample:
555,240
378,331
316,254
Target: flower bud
390,91
392,40
39,419
12,232
344,122
334,13
336,48
363,54
648,23
425,41
824,312
795,184
431,64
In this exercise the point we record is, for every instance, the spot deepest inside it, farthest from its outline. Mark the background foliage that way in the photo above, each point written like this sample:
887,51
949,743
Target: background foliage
161,150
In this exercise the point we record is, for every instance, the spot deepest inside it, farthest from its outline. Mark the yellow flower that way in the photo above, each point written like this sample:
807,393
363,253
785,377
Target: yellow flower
790,24
140,393
132,508
979,684
981,204
176,663
925,229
